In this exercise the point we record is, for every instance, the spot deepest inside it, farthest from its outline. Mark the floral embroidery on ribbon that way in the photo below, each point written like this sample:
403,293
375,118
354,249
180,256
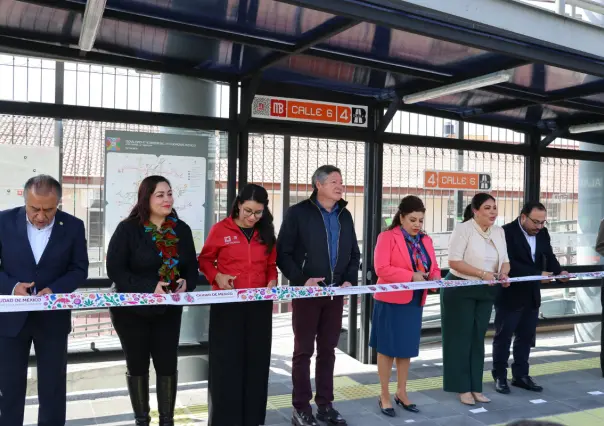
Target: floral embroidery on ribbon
166,242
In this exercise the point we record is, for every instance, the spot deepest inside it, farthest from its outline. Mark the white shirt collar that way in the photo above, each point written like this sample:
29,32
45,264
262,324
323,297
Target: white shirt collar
523,231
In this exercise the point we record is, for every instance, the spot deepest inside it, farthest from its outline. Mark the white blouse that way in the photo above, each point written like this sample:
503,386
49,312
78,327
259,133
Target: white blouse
485,251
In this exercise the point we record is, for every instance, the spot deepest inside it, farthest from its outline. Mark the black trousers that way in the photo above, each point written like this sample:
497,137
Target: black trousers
145,336
522,325
240,357
51,358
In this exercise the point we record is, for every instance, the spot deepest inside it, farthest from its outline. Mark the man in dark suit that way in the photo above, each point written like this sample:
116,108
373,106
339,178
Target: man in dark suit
42,251
517,306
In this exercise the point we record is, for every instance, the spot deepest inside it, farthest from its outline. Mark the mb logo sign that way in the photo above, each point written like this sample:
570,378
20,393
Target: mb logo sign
463,181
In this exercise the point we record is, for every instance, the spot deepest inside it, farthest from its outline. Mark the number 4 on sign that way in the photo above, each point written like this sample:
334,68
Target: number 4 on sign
431,180
344,115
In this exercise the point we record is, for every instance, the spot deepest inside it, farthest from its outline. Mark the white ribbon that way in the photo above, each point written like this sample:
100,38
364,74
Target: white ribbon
81,301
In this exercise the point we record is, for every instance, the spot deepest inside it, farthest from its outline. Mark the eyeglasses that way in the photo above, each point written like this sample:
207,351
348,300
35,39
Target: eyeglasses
537,222
249,212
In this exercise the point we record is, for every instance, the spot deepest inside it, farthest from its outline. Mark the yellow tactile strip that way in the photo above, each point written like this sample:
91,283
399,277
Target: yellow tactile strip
347,389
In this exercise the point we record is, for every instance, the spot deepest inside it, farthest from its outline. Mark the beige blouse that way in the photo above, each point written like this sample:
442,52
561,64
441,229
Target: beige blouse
485,251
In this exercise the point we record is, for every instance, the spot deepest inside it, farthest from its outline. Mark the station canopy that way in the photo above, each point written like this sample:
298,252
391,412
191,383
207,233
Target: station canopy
383,51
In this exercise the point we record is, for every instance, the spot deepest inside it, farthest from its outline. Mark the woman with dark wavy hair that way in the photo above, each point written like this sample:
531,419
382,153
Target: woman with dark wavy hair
403,253
240,253
151,251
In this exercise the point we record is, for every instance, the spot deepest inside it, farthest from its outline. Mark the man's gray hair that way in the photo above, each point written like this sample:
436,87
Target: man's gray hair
43,185
320,175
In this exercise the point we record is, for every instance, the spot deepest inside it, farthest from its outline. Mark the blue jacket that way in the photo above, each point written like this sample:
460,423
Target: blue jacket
62,268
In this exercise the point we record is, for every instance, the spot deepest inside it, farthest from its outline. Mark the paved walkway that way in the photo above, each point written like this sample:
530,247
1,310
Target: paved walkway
570,374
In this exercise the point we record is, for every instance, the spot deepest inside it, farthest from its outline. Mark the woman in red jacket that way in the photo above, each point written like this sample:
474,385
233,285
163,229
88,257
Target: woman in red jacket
240,253
403,253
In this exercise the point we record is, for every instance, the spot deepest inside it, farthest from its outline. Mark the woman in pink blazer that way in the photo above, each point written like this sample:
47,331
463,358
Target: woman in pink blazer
403,254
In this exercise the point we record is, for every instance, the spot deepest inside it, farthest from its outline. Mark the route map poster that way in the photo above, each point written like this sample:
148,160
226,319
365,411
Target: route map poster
182,159
19,163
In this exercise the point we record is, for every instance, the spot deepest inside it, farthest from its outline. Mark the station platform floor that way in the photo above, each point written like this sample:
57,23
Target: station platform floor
570,374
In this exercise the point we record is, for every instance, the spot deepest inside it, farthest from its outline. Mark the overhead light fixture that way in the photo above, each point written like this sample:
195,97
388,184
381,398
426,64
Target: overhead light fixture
586,128
462,86
93,14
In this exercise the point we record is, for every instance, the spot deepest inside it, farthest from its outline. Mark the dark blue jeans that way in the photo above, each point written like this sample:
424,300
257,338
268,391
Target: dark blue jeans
520,324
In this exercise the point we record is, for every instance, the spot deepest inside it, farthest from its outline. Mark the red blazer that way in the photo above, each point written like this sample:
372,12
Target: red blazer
227,251
393,265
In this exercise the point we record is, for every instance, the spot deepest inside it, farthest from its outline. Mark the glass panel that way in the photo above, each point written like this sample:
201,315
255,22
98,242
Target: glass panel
122,88
424,125
409,123
404,169
265,167
26,79
574,145
572,193
479,132
83,176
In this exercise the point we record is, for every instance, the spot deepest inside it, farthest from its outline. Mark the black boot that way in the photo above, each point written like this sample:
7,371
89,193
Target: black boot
138,387
166,399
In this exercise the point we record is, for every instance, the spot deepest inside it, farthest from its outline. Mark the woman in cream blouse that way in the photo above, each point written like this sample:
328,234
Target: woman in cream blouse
477,250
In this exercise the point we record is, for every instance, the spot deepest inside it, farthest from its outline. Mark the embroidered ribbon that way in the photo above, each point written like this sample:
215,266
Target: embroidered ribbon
79,301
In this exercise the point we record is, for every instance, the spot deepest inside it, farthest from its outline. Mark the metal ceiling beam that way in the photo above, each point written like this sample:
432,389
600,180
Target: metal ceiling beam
386,119
557,97
399,15
260,39
309,39
267,40
552,137
16,45
77,112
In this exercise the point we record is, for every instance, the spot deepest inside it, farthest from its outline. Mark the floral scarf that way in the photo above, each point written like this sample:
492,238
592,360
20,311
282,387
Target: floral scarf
419,257
166,242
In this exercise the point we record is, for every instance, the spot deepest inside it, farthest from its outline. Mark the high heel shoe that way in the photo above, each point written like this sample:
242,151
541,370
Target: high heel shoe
467,398
411,407
386,411
480,398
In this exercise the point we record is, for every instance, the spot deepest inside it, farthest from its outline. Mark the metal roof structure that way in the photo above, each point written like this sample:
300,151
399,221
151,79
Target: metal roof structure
375,52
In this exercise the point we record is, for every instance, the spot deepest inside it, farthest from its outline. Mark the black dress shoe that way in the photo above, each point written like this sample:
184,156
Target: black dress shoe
411,407
386,411
303,418
526,383
501,386
330,415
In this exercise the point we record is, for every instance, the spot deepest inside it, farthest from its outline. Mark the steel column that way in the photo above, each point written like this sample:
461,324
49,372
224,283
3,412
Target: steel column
373,211
232,148
532,167
59,100
285,195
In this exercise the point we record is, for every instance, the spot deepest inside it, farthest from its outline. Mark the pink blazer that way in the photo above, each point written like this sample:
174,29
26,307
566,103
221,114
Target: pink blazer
393,265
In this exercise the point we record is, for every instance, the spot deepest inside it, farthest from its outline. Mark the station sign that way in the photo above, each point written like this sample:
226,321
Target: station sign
276,108
466,181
